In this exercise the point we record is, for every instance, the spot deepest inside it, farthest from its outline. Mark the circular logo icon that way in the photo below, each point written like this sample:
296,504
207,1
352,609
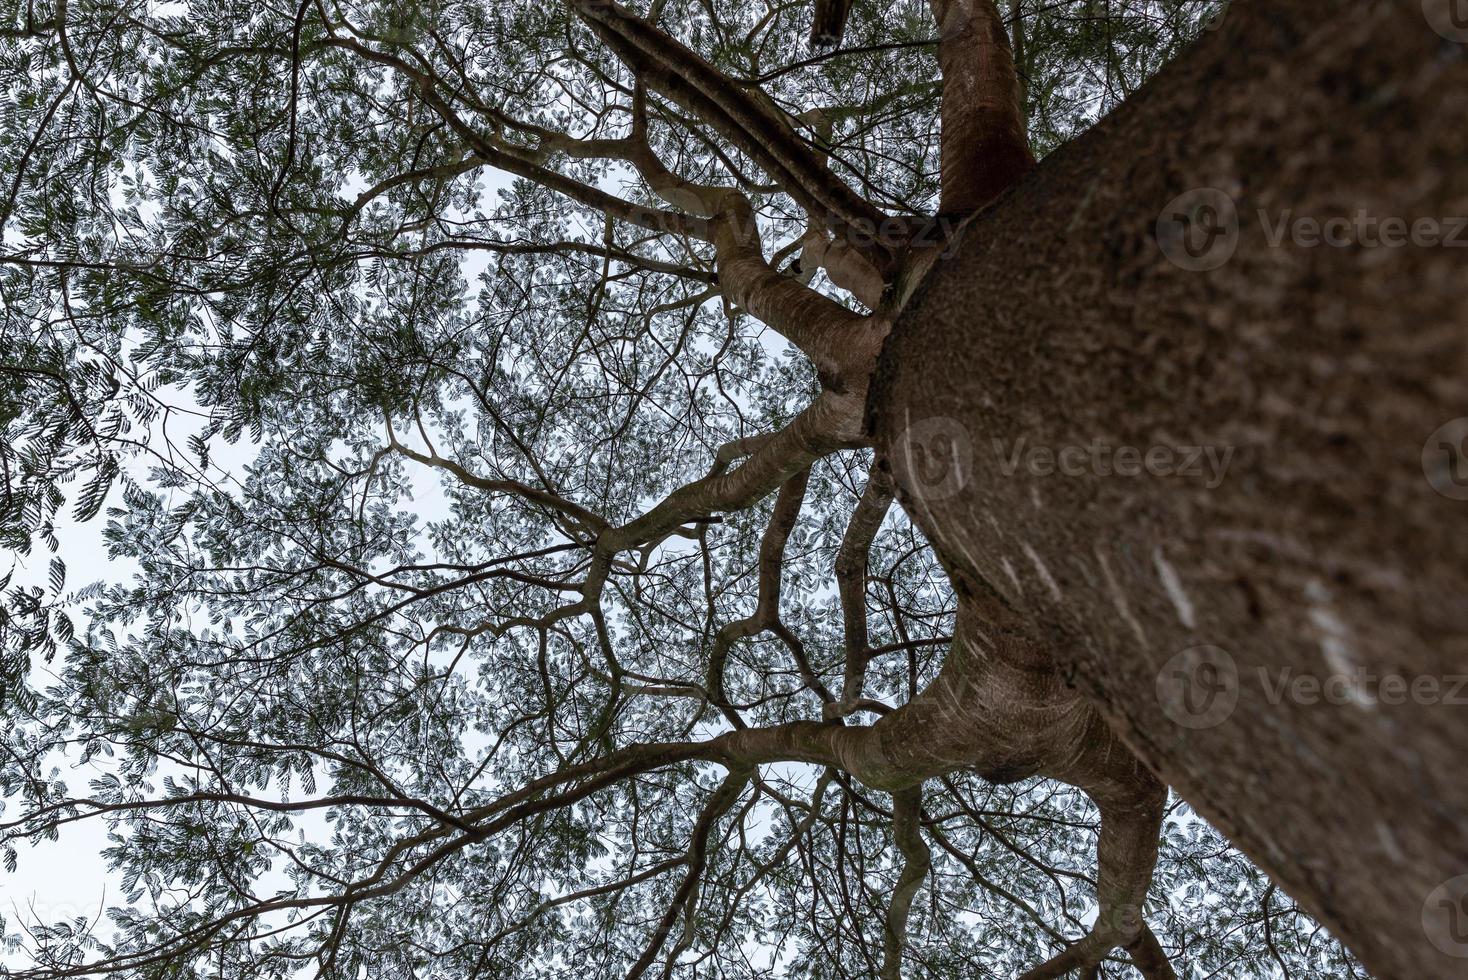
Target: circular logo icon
1445,459
1448,17
1199,231
934,458
1445,917
1199,688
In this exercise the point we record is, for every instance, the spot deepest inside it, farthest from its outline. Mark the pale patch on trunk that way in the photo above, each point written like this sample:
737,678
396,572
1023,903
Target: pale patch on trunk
1174,586
1118,599
1044,572
1336,642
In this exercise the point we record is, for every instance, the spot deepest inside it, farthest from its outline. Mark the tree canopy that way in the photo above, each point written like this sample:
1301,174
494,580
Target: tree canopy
476,390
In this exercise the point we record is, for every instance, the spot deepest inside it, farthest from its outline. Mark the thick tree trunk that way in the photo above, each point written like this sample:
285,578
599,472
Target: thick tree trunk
1081,314
984,147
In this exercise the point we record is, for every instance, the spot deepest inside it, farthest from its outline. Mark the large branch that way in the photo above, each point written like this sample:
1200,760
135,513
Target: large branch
1316,547
685,897
984,145
748,119
766,614
851,583
828,22
907,808
494,151
842,345
829,424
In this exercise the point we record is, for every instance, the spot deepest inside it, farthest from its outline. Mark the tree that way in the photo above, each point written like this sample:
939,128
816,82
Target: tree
1333,371
662,667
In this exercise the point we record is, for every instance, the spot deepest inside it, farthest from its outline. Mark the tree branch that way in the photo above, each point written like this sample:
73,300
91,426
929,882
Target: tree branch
907,830
851,581
985,148
748,119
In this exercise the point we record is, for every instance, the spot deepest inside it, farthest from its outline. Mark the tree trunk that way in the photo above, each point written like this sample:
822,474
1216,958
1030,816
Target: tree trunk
1323,540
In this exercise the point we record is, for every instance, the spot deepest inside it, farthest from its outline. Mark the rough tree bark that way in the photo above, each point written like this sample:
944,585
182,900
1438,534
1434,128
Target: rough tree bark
1325,551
